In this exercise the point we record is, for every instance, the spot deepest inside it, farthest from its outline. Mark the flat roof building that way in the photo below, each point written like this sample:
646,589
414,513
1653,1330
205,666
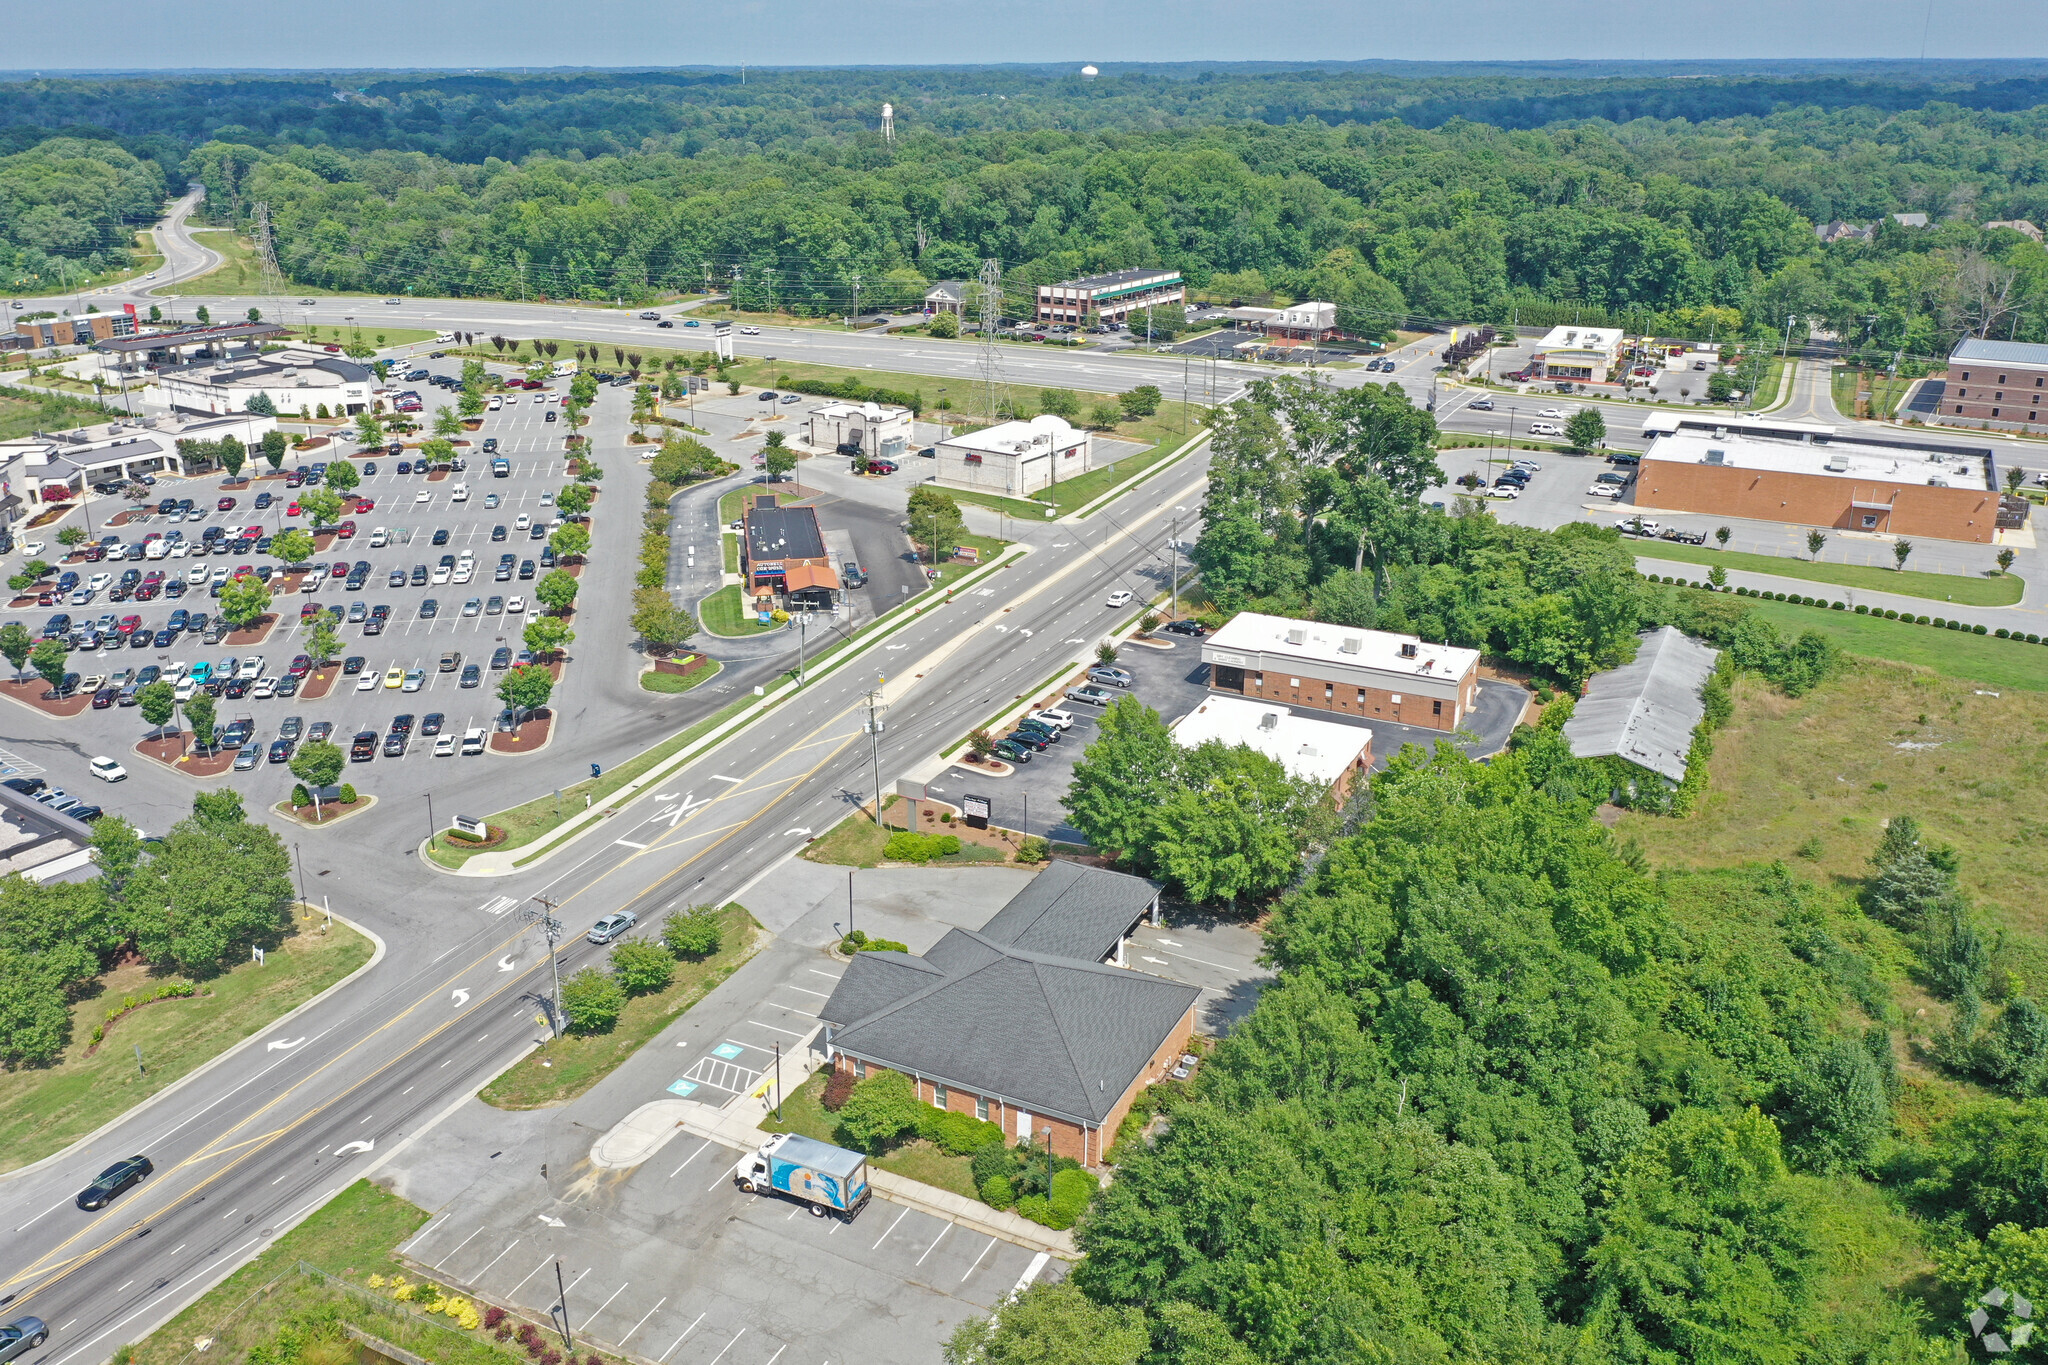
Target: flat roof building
1109,298
783,551
1645,711
1585,354
1333,754
1016,458
872,429
2000,384
84,330
294,379
1366,673
32,468
1885,488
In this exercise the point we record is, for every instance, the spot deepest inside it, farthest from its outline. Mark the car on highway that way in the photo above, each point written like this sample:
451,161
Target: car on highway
612,926
114,1181
1122,597
1545,429
22,1335
1558,413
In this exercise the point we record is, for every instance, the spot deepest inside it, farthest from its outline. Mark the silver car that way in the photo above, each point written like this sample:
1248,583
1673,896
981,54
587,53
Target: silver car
21,1336
611,926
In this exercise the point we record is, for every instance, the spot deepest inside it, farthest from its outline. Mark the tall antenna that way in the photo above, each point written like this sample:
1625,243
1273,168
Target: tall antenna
266,255
889,123
992,396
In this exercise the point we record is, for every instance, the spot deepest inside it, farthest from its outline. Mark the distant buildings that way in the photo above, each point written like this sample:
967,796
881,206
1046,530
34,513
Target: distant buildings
1365,673
2019,225
947,296
52,467
83,330
299,377
1016,458
1109,298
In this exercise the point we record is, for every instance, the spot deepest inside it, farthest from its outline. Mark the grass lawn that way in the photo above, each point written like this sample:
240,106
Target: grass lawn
380,336
1985,590
351,1238
855,841
731,545
534,820
725,613
654,681
1983,659
729,506
804,1112
20,416
238,273
1016,507
44,1109
579,1061
1811,780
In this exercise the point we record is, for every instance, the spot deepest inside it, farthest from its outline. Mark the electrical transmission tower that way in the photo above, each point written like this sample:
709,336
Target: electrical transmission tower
992,395
266,255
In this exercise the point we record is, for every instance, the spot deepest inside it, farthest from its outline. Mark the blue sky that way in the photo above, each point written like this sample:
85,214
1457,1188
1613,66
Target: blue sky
122,34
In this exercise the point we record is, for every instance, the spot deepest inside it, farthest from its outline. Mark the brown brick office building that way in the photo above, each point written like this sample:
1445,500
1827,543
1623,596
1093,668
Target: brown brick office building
1368,673
1890,490
2004,383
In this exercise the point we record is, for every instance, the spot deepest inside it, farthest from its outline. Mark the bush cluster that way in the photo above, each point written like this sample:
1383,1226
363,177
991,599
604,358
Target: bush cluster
1051,1190
859,942
909,846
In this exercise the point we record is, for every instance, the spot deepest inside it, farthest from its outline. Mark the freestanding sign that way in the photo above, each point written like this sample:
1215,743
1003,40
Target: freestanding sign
721,339
974,810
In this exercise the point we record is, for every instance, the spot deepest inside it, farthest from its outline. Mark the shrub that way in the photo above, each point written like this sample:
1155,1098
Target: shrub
1977,630
880,1111
1838,606
996,1192
494,1316
1939,623
300,796
1033,849
642,967
348,794
908,846
2001,632
1071,1191
694,933
957,1134
1890,614
837,1089
993,1159
1035,1207
592,1001
1862,608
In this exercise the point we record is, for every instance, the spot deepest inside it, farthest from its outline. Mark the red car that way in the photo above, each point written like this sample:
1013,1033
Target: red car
293,510
302,664
224,505
365,505
345,530
128,625
340,569
146,592
331,350
310,610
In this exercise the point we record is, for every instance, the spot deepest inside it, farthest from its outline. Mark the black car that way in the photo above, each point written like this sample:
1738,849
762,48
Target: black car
352,665
441,536
501,658
497,533
1015,753
363,747
292,727
1194,628
114,1181
1030,739
526,569
1047,731
281,750
28,786
430,724
429,609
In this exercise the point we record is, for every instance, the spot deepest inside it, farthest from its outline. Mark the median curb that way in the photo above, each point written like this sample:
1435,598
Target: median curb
376,955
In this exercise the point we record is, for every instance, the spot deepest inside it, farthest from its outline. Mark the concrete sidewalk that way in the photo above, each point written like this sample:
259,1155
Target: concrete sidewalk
2024,618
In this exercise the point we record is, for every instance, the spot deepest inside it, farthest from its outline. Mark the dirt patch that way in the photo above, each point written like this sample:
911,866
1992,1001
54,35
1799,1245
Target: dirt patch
173,751
311,443
30,693
439,475
42,519
528,738
319,682
120,519
257,632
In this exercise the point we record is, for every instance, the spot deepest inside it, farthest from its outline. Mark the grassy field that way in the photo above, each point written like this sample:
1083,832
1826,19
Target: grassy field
654,681
729,506
378,336
1982,659
351,1238
725,613
45,1109
238,273
1984,590
857,840
21,416
575,1062
1885,392
730,547
804,1112
1811,780
537,818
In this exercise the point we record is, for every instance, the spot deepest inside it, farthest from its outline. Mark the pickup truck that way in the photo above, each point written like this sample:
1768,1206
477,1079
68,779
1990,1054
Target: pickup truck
830,1180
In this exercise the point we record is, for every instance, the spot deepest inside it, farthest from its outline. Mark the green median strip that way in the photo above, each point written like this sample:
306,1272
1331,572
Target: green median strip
1987,590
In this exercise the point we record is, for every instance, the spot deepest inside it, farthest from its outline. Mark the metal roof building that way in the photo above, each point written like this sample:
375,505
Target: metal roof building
1646,711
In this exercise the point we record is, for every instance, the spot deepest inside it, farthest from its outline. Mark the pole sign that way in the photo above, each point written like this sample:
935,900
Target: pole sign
974,810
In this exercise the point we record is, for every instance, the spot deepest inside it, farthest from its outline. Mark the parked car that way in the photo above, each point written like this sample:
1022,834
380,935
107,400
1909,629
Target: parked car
1110,675
1091,695
1011,752
1052,716
1187,627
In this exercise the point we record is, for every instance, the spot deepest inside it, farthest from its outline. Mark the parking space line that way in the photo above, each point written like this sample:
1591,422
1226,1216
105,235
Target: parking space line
678,1341
728,1346
772,1029
457,1247
977,1260
601,1307
642,1323
529,1275
936,1240
1031,1271
494,1260
690,1158
892,1227
820,994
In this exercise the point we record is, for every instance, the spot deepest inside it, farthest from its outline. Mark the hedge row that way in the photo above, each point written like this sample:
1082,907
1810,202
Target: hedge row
1937,622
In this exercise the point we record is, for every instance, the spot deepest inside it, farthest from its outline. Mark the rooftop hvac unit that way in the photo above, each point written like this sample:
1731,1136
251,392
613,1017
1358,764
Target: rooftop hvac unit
1297,636
1837,464
1270,721
1409,648
1717,456
1352,644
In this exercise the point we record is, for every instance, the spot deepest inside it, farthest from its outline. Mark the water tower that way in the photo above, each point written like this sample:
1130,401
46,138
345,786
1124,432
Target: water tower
1090,72
888,123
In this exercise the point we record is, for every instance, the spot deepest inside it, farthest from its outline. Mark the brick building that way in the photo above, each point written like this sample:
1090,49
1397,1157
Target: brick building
83,330
782,550
1885,488
1031,1022
1367,673
2000,382
1109,298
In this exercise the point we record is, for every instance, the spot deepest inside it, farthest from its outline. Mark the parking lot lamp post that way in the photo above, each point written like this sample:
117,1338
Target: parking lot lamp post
849,901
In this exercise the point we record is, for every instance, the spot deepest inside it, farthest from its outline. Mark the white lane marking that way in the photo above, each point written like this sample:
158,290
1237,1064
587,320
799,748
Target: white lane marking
282,1044
772,1029
530,1274
935,1241
721,777
578,1280
815,972
494,1260
601,1307
807,991
58,1205
892,1227
778,1354
231,1213
679,1340
457,1247
459,996
628,843
1220,966
1170,943
280,1178
728,1346
690,1158
1031,1271
977,1260
642,1323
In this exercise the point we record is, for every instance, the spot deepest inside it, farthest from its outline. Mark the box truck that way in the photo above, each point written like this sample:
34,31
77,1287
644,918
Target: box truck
827,1179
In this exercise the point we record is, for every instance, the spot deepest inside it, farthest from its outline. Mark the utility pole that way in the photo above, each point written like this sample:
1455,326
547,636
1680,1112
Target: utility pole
873,726
802,631
551,929
1173,593
855,277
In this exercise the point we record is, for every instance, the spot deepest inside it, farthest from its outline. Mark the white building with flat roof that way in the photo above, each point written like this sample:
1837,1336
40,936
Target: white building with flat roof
1016,458
1329,753
295,378
33,469
1585,354
1367,673
871,428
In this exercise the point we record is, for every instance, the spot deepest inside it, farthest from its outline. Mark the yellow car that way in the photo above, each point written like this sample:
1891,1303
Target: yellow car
394,676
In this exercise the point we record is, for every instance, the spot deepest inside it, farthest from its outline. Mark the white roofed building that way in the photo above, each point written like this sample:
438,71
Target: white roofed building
292,379
1646,711
1585,354
873,429
1330,753
1016,458
1373,674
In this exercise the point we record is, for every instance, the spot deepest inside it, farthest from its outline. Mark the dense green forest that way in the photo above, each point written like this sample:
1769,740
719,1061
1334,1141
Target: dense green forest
1685,205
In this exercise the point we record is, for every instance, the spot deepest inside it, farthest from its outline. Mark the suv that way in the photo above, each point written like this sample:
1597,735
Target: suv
851,574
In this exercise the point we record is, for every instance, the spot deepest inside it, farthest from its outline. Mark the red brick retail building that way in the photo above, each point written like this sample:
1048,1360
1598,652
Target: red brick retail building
2000,382
1367,673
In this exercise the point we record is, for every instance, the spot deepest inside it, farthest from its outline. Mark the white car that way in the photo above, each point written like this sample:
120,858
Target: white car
750,331
98,582
422,496
250,667
440,577
1505,491
107,770
197,574
1636,526
33,549
415,679
511,398
464,572
368,682
521,522
1055,717
1529,465
444,747
514,605
1122,597
265,688
1604,490
184,690
1551,412
1544,429
379,538
547,499
495,403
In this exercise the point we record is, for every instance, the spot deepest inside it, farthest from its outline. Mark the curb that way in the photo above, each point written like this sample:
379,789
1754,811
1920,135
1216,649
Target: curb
364,805
376,956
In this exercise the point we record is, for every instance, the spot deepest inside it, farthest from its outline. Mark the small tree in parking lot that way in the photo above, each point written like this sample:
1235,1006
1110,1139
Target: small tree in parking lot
556,589
446,422
321,506
293,546
317,765
1585,429
526,689
199,712
158,702
323,643
546,635
274,446
369,431
48,658
17,644
574,500
342,476
243,600
570,542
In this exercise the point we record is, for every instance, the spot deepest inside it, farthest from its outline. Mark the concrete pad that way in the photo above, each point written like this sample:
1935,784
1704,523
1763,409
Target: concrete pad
639,1135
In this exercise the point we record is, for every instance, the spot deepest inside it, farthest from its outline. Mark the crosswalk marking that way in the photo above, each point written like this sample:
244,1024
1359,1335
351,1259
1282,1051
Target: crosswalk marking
498,905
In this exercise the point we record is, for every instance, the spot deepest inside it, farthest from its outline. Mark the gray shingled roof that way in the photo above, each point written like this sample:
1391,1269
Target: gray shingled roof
2000,352
1072,910
1052,1035
1645,711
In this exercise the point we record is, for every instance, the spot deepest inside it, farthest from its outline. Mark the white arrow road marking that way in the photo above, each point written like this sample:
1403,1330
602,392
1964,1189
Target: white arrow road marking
281,1045
1023,632
895,646
800,829
506,964
551,1222
350,1147
1159,960
460,997
1002,630
674,814
1077,641
1171,943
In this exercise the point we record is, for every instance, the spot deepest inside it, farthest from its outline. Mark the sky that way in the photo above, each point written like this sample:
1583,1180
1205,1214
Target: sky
355,34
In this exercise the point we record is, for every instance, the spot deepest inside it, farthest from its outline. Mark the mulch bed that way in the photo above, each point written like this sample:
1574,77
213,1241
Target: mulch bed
464,844
439,474
319,682
42,519
32,693
118,519
256,634
683,670
526,739
994,767
328,810
170,750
